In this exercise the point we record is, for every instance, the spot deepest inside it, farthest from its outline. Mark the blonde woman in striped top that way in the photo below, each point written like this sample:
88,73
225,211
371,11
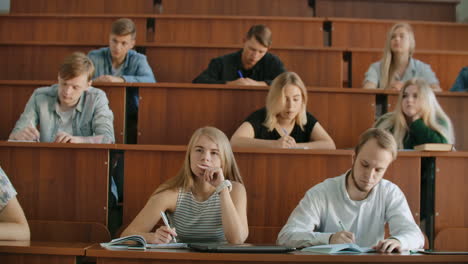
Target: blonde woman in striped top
206,201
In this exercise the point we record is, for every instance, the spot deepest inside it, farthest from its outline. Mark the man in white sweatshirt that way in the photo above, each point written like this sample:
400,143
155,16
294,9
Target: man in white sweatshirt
354,207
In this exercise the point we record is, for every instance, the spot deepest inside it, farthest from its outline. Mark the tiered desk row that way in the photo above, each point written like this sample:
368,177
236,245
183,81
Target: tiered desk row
325,52
70,182
170,112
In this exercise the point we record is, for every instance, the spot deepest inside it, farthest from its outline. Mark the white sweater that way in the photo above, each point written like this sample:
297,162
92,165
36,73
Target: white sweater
318,214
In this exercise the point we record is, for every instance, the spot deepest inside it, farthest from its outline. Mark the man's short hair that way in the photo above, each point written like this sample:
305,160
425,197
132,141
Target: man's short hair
261,33
75,65
123,27
383,138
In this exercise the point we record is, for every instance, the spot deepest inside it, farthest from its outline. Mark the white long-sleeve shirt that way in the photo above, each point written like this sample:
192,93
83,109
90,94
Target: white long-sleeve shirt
318,214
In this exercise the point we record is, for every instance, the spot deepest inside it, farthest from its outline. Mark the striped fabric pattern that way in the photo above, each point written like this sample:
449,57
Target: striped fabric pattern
198,221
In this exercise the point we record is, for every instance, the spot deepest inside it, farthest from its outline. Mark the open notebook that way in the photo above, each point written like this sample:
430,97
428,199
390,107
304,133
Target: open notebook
138,242
242,248
338,249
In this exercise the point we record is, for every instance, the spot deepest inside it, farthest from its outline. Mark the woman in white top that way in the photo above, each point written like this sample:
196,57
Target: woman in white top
209,178
397,64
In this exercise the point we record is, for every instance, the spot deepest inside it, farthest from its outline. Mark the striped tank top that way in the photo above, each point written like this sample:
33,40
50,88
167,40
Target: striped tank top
197,221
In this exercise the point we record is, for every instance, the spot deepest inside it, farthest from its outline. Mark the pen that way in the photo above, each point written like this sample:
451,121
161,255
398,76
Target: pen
285,131
166,222
240,74
342,226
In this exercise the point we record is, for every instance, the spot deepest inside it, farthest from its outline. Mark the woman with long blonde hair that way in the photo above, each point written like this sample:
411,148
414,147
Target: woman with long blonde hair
418,117
284,122
206,201
397,64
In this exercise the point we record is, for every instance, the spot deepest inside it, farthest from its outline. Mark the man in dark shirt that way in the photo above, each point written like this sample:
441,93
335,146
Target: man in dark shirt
252,65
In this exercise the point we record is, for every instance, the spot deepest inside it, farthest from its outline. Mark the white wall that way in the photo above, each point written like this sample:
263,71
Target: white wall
4,6
462,11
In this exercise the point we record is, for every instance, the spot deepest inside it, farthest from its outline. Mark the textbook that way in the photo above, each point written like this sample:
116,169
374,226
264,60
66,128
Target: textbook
434,147
338,249
138,242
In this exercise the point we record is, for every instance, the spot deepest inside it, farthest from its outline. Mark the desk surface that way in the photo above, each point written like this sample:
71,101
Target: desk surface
46,248
187,256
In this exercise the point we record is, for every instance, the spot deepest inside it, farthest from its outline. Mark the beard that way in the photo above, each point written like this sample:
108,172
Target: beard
356,183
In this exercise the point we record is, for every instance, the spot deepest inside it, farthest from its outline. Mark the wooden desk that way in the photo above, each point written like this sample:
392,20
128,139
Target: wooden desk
65,182
372,33
455,106
238,7
35,252
189,29
428,10
84,7
105,256
169,113
451,210
289,173
15,95
71,28
445,64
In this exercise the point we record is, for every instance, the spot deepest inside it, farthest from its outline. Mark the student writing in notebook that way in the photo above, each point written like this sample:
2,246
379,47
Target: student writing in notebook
205,202
71,111
284,122
362,200
13,223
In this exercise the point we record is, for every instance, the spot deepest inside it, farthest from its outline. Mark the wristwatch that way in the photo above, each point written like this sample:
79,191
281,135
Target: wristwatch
224,184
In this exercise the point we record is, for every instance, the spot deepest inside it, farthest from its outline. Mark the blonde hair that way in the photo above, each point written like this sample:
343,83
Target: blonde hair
387,66
75,65
383,138
276,100
431,113
184,178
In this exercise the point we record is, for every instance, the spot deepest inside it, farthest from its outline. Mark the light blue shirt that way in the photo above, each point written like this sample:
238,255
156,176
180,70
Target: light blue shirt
7,191
416,68
91,116
135,68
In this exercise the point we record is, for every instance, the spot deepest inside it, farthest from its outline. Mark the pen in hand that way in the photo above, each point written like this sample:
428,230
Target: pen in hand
240,74
166,222
342,226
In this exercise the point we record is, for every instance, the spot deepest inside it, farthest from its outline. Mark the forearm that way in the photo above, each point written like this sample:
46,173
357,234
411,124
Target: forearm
235,229
14,231
299,238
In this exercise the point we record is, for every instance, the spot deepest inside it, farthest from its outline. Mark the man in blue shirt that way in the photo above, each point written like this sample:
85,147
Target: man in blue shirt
68,112
120,63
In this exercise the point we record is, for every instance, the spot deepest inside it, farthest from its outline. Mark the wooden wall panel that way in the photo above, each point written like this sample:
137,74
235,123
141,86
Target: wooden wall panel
450,193
238,7
446,65
231,30
83,6
452,239
17,93
383,9
366,33
63,28
35,61
317,67
61,184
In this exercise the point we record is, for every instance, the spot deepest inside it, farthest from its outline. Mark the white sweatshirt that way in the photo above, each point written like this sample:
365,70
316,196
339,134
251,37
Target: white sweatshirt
318,214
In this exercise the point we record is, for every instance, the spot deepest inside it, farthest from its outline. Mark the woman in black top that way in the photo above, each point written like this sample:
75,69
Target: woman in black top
284,122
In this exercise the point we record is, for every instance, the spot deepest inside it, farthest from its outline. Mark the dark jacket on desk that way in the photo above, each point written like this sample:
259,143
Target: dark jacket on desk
225,68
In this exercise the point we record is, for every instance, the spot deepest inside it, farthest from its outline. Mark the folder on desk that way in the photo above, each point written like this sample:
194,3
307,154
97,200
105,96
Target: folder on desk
243,248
